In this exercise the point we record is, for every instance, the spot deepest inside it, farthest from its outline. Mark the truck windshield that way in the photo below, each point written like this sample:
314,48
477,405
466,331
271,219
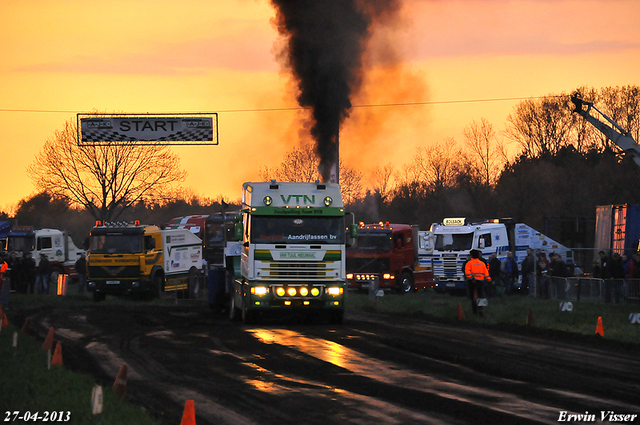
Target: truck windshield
116,244
454,241
21,243
297,230
372,240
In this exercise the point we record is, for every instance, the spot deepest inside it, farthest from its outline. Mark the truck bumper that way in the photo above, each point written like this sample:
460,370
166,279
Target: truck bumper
449,285
118,287
331,297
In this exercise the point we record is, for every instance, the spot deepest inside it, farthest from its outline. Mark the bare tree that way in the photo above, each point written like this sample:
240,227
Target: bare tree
438,164
298,165
481,139
350,184
301,165
382,181
541,126
104,179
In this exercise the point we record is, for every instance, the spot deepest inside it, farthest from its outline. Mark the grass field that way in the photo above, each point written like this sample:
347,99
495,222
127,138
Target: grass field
513,310
27,386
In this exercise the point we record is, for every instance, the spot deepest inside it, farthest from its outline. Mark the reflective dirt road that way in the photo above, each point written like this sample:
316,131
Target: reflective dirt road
372,369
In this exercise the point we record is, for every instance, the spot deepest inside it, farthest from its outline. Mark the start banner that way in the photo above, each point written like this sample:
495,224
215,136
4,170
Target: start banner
148,129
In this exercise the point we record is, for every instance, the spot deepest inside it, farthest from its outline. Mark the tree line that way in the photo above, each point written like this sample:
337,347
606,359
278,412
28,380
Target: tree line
562,167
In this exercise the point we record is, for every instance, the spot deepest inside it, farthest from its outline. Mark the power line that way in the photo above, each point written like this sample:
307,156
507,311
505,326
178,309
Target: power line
297,108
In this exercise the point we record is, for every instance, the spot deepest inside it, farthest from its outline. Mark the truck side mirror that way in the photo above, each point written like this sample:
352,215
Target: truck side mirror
353,231
480,243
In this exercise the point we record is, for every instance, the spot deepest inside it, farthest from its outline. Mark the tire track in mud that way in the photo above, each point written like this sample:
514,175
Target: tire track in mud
375,369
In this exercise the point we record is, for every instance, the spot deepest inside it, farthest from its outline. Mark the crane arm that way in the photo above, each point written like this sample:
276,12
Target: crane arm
615,133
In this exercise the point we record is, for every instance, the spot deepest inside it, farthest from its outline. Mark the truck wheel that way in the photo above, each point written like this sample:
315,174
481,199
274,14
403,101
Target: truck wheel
195,284
234,312
406,283
156,286
248,316
99,296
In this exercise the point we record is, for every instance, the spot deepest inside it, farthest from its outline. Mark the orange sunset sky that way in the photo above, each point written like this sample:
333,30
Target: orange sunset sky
60,58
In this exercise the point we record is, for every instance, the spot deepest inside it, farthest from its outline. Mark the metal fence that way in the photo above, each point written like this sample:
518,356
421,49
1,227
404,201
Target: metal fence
609,291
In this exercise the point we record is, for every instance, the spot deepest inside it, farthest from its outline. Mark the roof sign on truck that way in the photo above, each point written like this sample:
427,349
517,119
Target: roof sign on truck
460,221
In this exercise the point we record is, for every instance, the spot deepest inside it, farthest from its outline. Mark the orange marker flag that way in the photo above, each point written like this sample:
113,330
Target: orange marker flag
599,329
57,355
48,341
530,317
120,384
189,414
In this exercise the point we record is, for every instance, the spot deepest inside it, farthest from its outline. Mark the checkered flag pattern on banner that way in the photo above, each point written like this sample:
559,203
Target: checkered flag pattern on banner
98,136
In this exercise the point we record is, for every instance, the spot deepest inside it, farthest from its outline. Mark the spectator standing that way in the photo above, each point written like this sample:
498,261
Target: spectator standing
528,276
476,272
509,269
81,268
5,281
558,271
542,275
44,274
15,272
601,268
28,267
494,274
616,275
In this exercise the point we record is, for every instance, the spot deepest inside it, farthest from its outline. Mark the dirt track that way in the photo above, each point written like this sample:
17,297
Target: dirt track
372,369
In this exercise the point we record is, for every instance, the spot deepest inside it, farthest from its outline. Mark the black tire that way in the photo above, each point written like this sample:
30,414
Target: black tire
234,312
406,283
195,286
156,287
99,296
248,316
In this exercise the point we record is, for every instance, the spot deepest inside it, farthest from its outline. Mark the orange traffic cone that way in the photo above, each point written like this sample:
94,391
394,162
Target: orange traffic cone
57,355
189,414
460,312
530,317
25,327
599,330
48,341
120,384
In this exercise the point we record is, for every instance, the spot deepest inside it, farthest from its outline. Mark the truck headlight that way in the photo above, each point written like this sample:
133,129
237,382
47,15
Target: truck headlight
291,291
304,291
315,292
280,291
349,275
334,290
259,290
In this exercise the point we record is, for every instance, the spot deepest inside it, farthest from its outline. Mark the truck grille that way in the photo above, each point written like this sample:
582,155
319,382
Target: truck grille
113,272
295,270
450,267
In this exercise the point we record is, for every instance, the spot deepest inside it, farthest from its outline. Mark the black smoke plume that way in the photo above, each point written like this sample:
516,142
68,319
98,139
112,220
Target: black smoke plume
326,41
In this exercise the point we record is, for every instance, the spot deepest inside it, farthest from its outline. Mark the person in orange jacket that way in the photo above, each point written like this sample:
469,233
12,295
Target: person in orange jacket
476,273
4,275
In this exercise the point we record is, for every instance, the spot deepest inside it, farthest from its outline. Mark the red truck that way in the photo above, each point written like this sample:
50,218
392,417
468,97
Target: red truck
393,256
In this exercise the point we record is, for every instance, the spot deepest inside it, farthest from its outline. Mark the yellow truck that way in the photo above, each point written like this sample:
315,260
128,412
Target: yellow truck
143,260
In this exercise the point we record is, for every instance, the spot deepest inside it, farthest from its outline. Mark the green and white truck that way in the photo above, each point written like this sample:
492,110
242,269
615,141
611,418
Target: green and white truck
292,251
